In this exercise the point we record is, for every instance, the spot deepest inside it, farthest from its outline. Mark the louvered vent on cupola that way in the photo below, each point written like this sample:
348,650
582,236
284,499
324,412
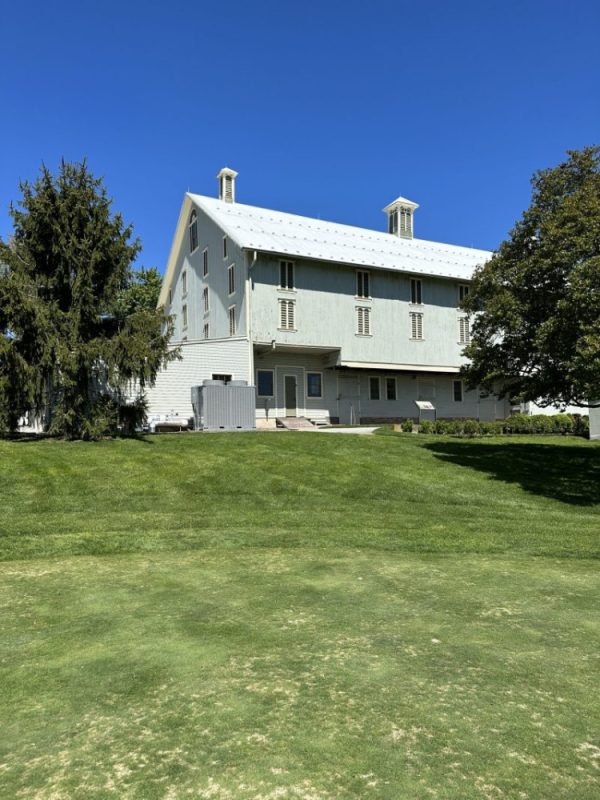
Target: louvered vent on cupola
227,184
400,217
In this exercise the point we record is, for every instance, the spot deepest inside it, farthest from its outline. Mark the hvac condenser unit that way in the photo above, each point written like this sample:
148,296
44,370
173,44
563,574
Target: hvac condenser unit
220,406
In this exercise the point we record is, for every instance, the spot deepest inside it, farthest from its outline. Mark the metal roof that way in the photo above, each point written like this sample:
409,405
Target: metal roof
291,235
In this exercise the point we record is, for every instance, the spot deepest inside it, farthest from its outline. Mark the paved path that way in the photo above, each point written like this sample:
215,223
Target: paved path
360,431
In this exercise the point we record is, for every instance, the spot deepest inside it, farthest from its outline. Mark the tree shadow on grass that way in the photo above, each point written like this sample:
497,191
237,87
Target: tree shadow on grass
568,474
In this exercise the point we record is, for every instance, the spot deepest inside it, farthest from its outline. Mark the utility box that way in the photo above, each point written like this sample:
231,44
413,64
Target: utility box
220,406
426,411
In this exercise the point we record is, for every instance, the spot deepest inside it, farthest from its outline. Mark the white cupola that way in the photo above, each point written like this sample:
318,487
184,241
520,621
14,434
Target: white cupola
400,217
227,184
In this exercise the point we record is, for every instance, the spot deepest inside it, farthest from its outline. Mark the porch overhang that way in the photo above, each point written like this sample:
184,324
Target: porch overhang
300,349
387,367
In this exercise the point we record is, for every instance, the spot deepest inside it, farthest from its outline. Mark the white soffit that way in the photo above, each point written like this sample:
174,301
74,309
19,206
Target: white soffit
290,235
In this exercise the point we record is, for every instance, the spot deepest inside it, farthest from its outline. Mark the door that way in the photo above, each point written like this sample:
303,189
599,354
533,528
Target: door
349,399
289,384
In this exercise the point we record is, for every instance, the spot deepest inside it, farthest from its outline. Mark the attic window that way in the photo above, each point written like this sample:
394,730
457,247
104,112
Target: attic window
193,228
393,222
406,223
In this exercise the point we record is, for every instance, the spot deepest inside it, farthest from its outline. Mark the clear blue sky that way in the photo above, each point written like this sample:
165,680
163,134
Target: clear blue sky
328,108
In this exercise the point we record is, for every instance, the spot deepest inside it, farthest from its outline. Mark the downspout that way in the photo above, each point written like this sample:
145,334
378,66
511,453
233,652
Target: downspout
249,319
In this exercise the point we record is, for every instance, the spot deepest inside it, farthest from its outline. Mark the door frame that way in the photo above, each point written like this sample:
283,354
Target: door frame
285,404
299,373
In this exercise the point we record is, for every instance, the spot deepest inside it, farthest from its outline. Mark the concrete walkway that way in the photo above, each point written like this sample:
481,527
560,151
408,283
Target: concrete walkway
359,431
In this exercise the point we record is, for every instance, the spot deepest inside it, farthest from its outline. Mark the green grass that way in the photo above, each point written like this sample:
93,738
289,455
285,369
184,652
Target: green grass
282,616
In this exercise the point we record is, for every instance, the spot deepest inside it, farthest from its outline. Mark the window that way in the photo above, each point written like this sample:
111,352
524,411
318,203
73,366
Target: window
286,274
205,299
362,283
363,321
374,388
457,391
287,315
224,378
406,223
232,321
184,282
464,330
224,247
463,293
231,279
193,229
264,381
206,336
416,291
170,296
393,221
184,316
416,325
390,388
313,384
205,262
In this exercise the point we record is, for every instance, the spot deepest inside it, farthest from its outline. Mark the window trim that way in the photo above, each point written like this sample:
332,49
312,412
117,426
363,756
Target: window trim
184,317
314,396
462,391
225,248
206,331
288,327
378,379
395,384
417,284
231,279
235,320
184,283
258,394
366,317
205,262
464,331
205,300
363,272
292,265
193,231
412,338
461,288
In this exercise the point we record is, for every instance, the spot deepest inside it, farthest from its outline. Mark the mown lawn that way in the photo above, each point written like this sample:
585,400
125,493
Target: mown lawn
311,616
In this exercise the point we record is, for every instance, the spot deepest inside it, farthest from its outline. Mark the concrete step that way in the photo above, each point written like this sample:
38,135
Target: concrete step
295,423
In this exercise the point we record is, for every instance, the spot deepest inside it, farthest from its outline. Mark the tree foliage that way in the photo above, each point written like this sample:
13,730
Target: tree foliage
536,303
76,331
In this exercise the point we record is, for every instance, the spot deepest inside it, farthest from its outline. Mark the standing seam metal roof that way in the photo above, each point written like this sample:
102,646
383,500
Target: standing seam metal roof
255,228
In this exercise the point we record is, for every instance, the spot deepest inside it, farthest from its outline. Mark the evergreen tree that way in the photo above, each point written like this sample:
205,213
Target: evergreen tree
70,348
536,303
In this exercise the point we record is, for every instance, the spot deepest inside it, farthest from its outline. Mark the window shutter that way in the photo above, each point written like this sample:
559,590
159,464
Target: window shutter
465,332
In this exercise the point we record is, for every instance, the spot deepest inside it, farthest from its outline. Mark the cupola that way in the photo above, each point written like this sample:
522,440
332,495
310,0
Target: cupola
227,184
400,217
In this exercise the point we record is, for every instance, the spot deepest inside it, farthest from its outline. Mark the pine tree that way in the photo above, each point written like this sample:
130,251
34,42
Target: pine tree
70,348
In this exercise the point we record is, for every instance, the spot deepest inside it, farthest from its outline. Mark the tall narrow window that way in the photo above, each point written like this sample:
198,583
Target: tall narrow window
287,315
170,296
232,321
184,282
286,274
374,388
416,291
206,336
457,391
205,262
224,247
463,293
464,330
390,388
184,316
393,221
362,283
193,229
231,279
363,321
416,325
205,299
406,223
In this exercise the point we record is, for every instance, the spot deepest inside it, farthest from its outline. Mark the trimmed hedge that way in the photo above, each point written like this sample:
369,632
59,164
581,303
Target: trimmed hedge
561,424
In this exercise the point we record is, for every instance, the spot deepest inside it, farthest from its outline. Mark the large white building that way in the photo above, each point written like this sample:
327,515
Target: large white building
328,321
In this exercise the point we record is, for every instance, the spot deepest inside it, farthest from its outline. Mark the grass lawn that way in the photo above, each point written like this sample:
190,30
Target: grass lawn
300,617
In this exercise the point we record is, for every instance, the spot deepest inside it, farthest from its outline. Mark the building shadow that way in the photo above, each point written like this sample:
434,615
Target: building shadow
568,474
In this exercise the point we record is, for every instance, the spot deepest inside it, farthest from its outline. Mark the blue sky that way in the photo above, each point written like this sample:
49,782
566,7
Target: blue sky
329,109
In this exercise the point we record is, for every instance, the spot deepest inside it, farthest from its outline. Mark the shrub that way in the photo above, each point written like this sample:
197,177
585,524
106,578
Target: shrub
441,426
581,425
426,426
491,428
562,423
471,427
407,425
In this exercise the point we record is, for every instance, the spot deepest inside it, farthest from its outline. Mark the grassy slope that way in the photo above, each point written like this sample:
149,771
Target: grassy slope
299,616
